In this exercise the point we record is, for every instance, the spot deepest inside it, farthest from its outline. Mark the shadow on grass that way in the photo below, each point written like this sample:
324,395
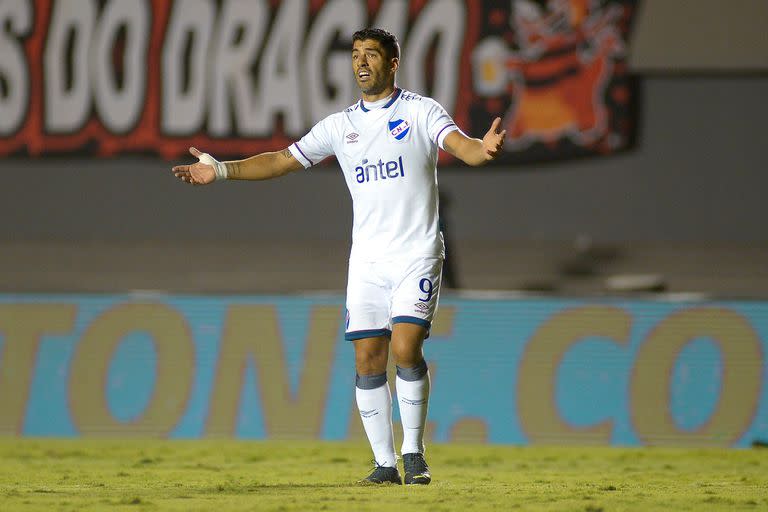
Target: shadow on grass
289,486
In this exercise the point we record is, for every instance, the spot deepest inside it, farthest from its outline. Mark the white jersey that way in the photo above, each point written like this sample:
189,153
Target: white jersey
387,151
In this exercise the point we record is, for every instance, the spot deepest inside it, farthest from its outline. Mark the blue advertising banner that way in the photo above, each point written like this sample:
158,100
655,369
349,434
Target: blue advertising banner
504,370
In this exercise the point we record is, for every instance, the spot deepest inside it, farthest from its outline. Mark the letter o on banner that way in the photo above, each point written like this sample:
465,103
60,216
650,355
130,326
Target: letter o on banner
742,362
120,107
91,361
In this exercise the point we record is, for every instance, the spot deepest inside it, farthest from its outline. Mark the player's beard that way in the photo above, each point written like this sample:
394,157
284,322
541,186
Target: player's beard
375,86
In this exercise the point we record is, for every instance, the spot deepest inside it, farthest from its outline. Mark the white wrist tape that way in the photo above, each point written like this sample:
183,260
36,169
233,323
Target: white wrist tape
220,168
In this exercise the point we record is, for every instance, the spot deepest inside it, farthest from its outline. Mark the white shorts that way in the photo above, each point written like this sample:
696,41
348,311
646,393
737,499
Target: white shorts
381,294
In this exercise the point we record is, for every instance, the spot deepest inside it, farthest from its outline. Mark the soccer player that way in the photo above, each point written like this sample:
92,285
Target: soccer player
386,145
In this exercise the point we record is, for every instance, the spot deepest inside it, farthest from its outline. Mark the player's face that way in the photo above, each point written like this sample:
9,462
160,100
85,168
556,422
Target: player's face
374,72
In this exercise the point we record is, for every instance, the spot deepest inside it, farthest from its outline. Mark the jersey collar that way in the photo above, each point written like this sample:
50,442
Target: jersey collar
387,104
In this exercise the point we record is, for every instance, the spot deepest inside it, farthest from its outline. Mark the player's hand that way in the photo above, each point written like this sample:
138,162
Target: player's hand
493,141
201,173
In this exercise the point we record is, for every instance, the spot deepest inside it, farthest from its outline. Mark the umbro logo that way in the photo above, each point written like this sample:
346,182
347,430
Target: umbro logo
422,306
352,137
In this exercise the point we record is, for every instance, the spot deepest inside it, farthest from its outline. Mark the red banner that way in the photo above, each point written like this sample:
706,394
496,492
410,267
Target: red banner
237,77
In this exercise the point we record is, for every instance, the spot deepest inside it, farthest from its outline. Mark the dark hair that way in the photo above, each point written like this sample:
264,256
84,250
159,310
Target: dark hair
387,40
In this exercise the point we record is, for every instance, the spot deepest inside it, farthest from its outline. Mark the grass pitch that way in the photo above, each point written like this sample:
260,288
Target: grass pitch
77,475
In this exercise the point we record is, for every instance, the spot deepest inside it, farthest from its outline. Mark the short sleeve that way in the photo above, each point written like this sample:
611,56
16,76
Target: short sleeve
439,123
316,145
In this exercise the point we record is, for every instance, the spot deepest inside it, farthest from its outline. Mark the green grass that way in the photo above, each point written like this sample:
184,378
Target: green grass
137,475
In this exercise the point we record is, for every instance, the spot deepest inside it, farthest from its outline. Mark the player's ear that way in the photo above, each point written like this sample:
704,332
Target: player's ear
395,64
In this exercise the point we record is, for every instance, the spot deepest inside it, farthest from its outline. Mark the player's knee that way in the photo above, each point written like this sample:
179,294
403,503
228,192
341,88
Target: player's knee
407,355
371,358
370,366
407,343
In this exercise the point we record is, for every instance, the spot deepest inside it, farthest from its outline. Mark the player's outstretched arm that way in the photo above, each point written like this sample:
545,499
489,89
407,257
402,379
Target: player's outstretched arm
263,166
476,151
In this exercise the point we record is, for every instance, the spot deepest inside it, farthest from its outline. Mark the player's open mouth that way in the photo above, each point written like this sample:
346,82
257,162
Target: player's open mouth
363,75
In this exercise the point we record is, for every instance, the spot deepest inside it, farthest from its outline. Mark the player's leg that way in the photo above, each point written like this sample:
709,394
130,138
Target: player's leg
414,305
374,402
368,329
413,386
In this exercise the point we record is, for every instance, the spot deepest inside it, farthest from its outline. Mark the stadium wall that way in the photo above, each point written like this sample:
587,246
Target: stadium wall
698,174
508,369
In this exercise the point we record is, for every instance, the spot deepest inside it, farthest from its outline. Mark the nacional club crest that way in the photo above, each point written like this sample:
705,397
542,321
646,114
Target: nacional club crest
399,128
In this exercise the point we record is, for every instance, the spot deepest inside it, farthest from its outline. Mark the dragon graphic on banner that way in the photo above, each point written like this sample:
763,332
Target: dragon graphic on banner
106,77
556,72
